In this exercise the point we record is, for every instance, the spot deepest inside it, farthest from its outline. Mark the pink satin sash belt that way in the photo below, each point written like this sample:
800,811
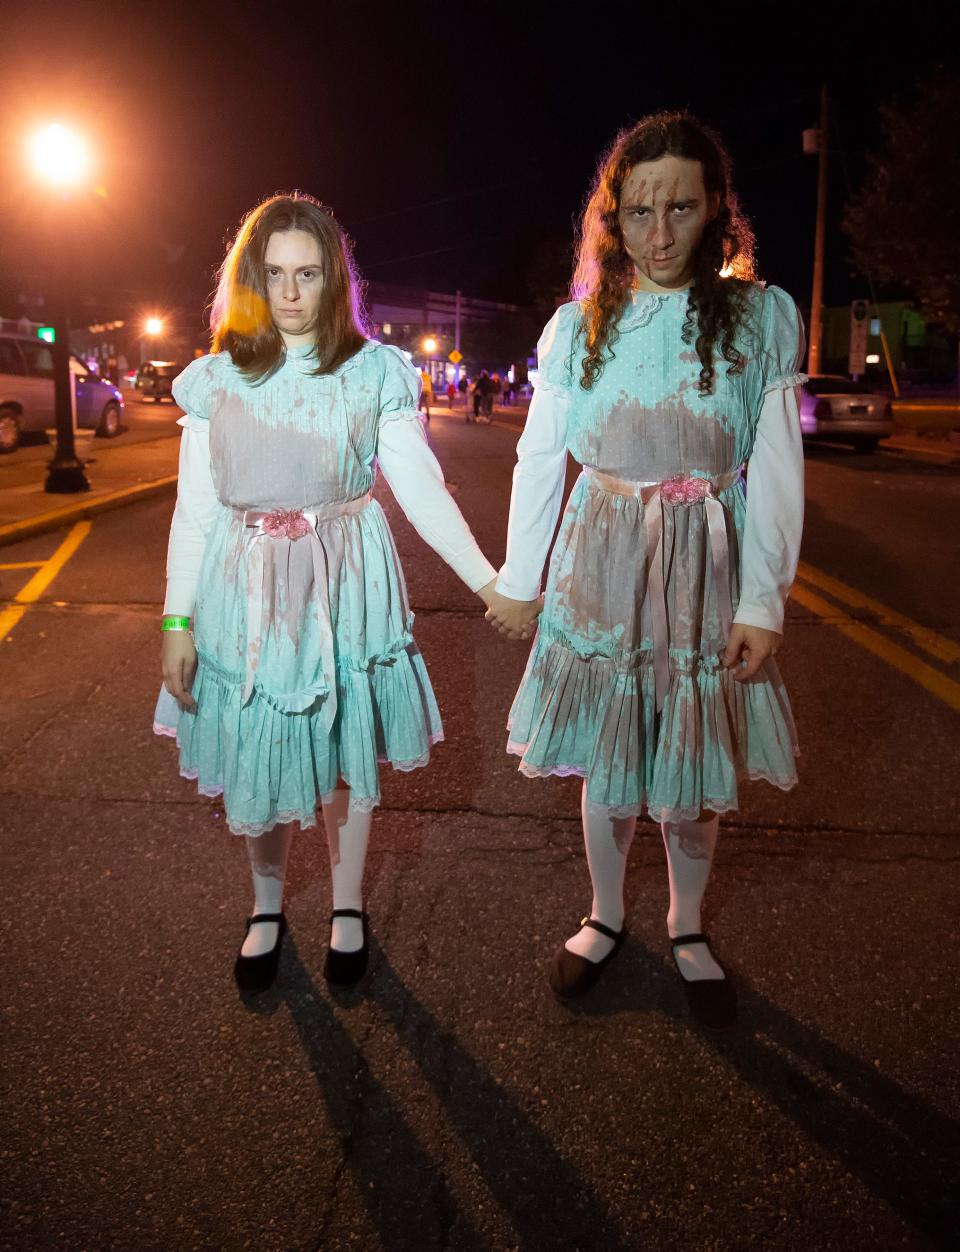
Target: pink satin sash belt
291,525
681,490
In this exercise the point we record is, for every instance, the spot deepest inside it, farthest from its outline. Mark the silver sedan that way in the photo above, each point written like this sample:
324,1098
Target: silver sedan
836,408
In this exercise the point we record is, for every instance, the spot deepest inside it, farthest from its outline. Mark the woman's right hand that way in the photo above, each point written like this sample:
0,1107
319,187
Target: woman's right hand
514,618
178,659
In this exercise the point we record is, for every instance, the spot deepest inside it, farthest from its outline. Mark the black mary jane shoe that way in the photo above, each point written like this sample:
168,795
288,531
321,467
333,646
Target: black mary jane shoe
573,975
343,968
256,973
712,1001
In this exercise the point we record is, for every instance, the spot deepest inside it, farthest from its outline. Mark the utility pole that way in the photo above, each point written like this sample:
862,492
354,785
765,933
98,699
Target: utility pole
816,301
457,336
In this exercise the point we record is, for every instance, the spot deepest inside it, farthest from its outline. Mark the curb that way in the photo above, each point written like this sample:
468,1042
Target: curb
13,532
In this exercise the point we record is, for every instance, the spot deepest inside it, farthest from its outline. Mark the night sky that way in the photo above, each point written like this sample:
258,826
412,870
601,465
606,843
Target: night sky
454,143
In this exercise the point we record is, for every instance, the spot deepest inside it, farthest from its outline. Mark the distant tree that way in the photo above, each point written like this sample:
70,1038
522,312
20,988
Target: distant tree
905,220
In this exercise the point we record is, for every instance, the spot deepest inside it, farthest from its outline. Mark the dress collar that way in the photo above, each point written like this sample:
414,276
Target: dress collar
643,306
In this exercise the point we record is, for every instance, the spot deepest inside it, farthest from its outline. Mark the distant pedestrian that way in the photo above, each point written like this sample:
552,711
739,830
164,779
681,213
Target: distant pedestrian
451,392
462,386
654,679
299,676
426,392
477,398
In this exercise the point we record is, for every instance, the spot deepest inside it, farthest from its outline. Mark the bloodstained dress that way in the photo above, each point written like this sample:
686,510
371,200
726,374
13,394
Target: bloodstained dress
660,549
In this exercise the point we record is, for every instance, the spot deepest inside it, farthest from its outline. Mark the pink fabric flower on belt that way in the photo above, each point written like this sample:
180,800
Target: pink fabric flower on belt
684,489
285,524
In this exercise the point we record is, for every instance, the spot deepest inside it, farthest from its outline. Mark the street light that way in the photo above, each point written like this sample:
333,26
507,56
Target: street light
154,326
58,155
429,345
60,158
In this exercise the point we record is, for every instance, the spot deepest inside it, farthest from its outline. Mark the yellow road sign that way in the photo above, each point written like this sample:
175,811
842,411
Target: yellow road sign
455,357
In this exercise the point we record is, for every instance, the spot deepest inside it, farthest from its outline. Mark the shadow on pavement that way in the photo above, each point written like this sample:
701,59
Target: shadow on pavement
533,1184
905,1151
404,1190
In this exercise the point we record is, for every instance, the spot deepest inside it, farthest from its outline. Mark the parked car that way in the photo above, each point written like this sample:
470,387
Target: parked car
26,393
155,378
834,407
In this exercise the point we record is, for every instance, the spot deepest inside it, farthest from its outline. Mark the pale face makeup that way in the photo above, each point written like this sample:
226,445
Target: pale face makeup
664,210
293,271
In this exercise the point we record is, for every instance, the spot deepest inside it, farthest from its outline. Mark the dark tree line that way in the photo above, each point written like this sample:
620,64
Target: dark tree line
904,221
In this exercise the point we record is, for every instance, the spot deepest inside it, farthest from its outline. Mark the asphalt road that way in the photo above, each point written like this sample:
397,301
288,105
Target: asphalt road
450,1102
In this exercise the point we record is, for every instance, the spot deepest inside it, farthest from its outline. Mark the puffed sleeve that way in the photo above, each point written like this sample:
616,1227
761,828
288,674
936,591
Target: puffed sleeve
783,342
540,472
191,390
399,386
414,475
775,496
197,501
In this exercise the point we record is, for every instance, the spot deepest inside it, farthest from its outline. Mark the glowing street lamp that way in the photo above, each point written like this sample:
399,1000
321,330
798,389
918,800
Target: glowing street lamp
154,326
429,345
60,158
58,155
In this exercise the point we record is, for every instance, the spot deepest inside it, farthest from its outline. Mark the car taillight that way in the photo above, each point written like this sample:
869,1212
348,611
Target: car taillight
822,409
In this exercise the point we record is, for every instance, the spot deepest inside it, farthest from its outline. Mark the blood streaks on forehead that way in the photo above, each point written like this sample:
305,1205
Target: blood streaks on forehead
651,187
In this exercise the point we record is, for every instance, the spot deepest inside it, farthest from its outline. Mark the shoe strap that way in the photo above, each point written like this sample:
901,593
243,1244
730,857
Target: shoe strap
265,917
682,939
604,930
346,913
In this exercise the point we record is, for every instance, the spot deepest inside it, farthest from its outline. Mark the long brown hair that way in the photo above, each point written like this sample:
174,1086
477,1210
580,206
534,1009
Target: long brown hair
240,317
604,273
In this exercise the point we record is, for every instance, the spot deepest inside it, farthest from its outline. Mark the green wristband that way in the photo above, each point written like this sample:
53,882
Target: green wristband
175,623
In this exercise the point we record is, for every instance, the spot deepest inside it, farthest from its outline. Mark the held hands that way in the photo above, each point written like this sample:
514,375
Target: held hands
514,618
751,645
178,659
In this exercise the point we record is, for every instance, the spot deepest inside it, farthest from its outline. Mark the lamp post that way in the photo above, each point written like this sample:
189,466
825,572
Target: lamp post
153,327
60,159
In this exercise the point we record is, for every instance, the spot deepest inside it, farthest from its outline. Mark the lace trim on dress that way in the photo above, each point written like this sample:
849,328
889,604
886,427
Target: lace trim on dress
715,805
791,380
393,415
642,309
358,804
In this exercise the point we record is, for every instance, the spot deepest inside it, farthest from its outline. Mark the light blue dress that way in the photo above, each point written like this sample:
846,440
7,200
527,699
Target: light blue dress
307,667
588,702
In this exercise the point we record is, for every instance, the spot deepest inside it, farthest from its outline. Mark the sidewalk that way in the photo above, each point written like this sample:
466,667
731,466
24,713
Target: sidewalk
124,473
118,474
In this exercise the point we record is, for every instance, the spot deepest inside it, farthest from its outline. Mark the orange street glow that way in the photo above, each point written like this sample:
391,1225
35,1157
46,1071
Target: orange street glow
58,155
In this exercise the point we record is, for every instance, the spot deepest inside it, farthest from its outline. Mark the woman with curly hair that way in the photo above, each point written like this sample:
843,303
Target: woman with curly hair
300,674
652,674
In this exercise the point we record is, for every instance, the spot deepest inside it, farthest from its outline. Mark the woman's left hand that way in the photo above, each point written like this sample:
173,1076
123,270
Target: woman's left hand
751,645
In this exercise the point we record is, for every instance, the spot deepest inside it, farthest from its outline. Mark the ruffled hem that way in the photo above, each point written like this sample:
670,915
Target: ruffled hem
273,765
253,830
595,719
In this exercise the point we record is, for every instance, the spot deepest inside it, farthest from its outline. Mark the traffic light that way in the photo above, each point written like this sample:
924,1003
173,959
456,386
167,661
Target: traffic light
47,334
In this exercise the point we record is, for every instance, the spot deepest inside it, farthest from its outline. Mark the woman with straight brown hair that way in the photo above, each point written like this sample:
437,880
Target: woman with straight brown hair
300,673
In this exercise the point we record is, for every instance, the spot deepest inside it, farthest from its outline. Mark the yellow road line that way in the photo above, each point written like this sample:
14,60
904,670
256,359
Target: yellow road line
43,578
22,565
937,645
937,684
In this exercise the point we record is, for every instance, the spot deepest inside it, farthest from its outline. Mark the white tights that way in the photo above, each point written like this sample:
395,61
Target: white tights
689,847
348,833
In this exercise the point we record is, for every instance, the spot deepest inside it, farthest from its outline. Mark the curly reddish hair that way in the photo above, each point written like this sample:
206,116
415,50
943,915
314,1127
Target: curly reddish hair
604,274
